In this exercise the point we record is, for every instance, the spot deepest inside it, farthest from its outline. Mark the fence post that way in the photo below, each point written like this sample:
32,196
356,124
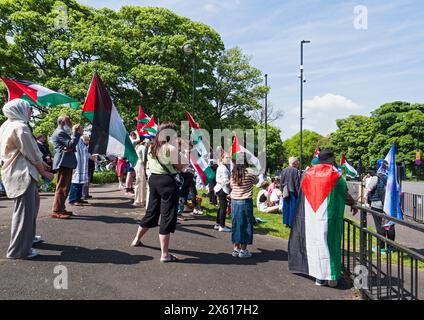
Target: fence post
362,237
363,242
414,206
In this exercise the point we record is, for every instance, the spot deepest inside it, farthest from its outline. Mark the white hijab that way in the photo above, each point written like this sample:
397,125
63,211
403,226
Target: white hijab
17,110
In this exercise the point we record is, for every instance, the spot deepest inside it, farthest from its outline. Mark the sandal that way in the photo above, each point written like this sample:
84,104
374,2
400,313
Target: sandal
136,244
171,259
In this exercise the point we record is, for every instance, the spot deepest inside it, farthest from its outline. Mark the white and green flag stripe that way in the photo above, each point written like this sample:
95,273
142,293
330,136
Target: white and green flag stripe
315,240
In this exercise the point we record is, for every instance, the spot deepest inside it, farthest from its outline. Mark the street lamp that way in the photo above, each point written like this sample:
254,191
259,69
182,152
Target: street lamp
301,99
189,50
266,116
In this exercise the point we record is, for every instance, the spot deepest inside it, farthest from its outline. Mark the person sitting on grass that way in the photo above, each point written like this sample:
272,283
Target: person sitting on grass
263,202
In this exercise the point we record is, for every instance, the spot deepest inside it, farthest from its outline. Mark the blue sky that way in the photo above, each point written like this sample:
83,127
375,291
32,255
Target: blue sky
348,70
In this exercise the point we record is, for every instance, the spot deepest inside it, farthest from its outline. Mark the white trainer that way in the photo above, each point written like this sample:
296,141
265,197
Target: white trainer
245,254
235,253
225,229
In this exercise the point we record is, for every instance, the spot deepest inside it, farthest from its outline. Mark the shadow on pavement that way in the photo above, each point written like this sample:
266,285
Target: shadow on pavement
106,219
224,258
342,284
184,229
84,255
122,205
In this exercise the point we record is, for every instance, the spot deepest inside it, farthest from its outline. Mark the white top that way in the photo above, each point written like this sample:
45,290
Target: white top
223,178
275,196
20,154
262,206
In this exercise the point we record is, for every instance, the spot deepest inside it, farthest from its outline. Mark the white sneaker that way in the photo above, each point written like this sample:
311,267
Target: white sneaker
32,254
235,253
245,254
37,240
225,229
216,226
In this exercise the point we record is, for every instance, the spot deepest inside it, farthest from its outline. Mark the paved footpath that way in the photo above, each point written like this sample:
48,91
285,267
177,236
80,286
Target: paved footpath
95,248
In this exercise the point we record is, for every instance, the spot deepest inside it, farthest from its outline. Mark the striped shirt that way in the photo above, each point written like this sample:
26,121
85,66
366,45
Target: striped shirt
245,189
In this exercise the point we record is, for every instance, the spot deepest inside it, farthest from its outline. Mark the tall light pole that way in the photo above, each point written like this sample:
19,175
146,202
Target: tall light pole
266,115
189,50
301,99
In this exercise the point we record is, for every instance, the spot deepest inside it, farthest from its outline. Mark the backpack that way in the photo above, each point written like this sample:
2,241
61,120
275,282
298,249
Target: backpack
379,192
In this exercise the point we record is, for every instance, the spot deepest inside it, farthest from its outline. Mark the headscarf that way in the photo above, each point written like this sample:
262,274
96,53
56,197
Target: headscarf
17,110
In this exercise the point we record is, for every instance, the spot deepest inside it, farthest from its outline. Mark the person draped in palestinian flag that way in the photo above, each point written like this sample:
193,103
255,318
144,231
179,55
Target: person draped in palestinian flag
315,239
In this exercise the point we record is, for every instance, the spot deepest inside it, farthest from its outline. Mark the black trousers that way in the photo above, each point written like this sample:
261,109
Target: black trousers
212,195
378,221
222,209
163,203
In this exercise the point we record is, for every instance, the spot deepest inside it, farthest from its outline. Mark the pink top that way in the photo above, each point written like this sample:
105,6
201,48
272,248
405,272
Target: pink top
271,188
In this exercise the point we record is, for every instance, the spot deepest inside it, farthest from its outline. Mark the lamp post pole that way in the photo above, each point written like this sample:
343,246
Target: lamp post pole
189,50
301,100
266,116
193,101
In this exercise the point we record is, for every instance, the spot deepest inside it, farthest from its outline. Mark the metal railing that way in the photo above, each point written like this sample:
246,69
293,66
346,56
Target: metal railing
391,273
413,206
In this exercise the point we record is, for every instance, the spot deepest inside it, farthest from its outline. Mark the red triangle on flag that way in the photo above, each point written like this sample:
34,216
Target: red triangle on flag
17,89
193,124
235,147
318,182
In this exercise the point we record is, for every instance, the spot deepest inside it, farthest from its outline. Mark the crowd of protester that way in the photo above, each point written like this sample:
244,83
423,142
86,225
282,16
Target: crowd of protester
163,181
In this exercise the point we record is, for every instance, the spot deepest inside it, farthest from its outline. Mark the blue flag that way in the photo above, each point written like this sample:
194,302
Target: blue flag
392,197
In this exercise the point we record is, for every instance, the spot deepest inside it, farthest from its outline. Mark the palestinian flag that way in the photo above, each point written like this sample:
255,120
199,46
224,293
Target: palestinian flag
150,129
315,156
37,95
350,171
108,135
251,159
143,119
199,154
315,240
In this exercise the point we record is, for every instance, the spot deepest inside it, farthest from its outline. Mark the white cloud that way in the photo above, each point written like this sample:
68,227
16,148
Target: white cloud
210,7
331,102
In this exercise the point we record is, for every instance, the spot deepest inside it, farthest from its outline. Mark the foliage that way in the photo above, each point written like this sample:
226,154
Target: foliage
103,177
370,138
353,137
310,140
138,53
48,119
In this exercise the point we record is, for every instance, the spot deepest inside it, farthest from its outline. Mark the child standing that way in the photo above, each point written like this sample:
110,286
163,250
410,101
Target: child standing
242,181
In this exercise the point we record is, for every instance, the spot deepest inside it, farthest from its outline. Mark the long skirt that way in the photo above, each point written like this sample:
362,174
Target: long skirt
289,206
24,222
242,221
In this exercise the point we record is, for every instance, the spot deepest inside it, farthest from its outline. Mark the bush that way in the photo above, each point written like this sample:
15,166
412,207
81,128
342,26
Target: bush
102,177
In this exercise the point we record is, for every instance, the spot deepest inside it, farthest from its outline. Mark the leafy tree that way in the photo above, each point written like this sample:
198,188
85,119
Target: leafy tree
48,121
353,137
399,123
310,140
236,90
